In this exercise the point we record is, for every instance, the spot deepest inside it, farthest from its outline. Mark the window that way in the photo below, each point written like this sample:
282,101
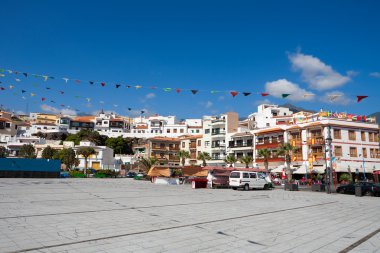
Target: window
207,143
338,151
183,144
363,136
364,152
199,143
207,131
268,125
181,130
175,130
168,131
245,175
353,152
351,135
337,134
197,131
253,175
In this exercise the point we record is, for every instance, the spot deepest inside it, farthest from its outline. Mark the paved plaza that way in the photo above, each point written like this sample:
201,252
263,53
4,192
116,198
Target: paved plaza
124,215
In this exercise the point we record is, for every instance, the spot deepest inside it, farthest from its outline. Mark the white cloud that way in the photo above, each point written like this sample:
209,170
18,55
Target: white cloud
51,109
336,97
316,73
283,86
150,95
208,104
375,74
263,101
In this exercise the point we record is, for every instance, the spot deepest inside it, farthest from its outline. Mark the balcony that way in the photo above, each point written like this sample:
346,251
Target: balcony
297,157
174,159
173,148
316,141
159,148
218,133
269,144
317,156
295,142
193,145
271,159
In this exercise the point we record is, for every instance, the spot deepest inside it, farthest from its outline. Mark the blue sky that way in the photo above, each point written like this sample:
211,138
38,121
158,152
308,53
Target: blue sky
324,48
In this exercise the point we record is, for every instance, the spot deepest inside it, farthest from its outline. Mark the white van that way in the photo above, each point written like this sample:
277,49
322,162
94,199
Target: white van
248,180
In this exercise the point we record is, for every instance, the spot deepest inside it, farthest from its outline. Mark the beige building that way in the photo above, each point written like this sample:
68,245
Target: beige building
164,149
194,145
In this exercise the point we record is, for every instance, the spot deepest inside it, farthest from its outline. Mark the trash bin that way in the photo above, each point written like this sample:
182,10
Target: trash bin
358,191
199,183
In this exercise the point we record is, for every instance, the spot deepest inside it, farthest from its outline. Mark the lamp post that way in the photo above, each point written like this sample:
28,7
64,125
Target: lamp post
329,176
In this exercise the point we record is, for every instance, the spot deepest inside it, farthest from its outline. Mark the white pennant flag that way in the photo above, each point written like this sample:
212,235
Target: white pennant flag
66,79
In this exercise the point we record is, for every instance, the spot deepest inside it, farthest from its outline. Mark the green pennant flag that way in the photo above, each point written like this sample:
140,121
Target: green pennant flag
285,95
167,89
214,91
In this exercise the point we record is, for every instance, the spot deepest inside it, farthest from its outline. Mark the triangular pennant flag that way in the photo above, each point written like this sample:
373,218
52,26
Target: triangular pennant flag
65,79
46,78
129,109
10,71
178,90
333,96
153,87
32,94
117,86
2,88
128,86
2,70
91,82
62,105
23,91
103,84
52,101
2,75
48,88
194,91
214,91
17,80
16,72
234,93
88,99
61,91
138,86
285,95
43,99
25,74
263,94
51,77
167,89
246,94
35,75
77,81
142,112
308,95
11,86
360,98
23,97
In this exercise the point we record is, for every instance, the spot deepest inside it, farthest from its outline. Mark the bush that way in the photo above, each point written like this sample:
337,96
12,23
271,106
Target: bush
106,173
77,174
100,175
345,177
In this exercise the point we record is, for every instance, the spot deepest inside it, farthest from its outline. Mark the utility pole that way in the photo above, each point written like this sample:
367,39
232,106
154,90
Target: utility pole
329,175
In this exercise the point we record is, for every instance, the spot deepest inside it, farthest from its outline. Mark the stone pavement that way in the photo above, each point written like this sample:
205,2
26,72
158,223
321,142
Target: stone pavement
124,215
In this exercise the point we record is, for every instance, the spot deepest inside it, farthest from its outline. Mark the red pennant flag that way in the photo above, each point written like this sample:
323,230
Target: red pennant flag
153,87
2,88
77,81
234,93
360,98
103,84
264,94
178,90
43,99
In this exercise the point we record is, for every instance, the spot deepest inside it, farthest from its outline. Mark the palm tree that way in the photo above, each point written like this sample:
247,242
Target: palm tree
287,149
230,159
204,156
148,163
183,154
86,152
246,160
265,153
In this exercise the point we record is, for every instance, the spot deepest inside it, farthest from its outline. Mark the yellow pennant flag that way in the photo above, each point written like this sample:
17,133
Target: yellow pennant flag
11,86
46,78
32,94
138,86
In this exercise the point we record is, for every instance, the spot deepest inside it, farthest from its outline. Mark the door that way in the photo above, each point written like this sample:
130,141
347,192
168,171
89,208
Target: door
95,165
253,176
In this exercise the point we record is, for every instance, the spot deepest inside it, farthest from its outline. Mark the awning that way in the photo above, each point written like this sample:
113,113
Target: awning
278,169
194,172
315,169
159,172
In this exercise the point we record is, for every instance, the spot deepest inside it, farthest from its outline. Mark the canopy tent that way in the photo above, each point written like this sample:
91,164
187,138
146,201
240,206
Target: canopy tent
194,172
220,168
159,172
304,170
278,169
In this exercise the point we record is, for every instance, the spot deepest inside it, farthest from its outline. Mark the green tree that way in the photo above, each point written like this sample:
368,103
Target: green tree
48,153
183,154
3,152
265,154
286,149
204,156
119,145
230,159
74,138
246,160
28,151
86,152
67,157
148,163
88,135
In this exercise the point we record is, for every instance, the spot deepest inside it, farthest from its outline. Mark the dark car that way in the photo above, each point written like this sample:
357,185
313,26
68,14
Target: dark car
130,174
367,188
376,190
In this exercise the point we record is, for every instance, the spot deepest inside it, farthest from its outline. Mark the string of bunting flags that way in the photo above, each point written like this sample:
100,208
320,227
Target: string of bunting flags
66,80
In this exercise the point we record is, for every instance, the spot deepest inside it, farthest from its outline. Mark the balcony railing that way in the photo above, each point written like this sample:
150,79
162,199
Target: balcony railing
193,145
159,148
241,145
316,140
218,133
297,157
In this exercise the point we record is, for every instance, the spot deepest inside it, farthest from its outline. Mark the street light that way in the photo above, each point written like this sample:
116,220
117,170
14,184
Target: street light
329,176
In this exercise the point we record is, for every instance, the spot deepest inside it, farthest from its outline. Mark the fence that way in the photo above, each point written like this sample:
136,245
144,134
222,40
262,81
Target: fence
29,168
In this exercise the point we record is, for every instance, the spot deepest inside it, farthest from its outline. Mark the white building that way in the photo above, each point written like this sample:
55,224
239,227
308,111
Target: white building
268,116
103,159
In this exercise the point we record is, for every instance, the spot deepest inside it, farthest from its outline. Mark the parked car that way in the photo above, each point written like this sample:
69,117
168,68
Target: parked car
131,174
248,180
367,188
139,176
376,190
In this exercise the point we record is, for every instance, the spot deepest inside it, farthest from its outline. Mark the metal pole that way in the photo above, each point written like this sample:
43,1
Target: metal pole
329,168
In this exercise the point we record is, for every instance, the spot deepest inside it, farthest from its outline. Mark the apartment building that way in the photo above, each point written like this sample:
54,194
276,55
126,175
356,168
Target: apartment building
241,144
268,115
164,149
82,122
8,128
194,145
